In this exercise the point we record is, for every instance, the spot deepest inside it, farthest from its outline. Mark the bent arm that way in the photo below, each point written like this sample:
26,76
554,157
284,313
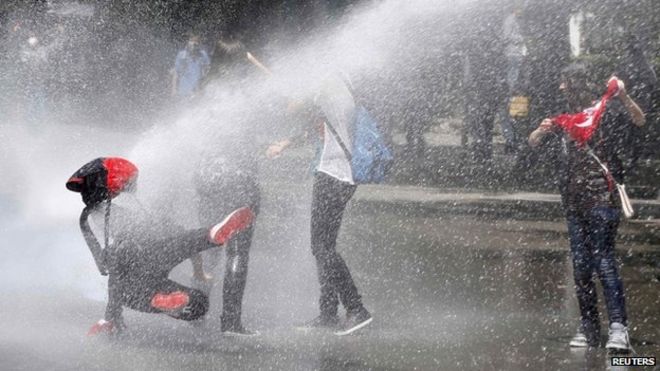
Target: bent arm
636,113
536,137
92,242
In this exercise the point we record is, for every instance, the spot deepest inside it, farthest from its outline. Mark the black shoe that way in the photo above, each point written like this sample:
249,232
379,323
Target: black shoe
355,321
320,322
238,330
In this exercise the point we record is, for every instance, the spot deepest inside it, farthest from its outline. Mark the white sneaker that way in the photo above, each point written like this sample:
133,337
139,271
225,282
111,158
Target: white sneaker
618,337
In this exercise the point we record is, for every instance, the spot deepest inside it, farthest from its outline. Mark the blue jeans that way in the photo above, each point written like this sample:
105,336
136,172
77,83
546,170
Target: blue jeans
592,234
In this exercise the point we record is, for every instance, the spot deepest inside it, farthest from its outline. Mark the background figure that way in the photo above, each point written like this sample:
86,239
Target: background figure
484,86
515,51
229,61
190,67
641,81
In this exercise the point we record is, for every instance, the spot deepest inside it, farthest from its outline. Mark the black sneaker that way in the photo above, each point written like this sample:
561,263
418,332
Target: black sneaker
354,322
238,331
320,322
587,336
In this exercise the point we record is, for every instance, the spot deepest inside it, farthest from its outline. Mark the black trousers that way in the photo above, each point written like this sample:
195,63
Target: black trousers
139,270
329,199
219,197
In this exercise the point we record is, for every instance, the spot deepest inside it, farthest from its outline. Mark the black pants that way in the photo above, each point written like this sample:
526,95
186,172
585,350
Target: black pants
329,199
140,270
218,198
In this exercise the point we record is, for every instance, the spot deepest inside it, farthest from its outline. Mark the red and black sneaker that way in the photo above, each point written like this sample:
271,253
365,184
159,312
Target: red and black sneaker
237,221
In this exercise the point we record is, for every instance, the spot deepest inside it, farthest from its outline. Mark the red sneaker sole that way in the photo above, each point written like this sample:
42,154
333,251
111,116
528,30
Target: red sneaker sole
237,221
170,302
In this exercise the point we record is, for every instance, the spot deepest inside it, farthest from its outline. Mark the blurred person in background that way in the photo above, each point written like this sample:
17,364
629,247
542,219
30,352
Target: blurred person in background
484,85
515,52
641,81
190,66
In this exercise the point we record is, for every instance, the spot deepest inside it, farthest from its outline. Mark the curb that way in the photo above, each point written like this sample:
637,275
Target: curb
511,205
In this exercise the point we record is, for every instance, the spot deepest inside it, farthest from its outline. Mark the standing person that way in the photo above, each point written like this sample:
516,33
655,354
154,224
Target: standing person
190,67
227,177
333,187
589,197
222,182
139,251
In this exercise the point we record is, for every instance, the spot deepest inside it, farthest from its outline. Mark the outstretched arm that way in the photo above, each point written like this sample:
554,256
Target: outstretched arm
536,137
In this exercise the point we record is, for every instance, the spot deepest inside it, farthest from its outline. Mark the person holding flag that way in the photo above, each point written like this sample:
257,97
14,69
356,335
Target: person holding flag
591,165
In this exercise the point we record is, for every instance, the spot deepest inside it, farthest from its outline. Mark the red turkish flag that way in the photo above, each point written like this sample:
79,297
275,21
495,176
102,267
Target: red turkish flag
581,126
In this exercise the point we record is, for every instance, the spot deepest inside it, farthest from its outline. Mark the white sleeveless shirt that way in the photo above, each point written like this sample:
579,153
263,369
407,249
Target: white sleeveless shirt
338,107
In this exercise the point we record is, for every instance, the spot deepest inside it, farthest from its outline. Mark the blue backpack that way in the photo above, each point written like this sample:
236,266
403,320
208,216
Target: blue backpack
370,159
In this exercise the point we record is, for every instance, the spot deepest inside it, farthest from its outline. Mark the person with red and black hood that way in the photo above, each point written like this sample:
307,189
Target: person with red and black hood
139,251
591,167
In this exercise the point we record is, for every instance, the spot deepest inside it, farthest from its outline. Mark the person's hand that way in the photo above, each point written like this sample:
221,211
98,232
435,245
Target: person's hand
202,277
546,126
537,135
294,106
104,327
275,149
614,83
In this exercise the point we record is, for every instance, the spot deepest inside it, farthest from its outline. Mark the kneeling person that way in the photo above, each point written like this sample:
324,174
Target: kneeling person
140,251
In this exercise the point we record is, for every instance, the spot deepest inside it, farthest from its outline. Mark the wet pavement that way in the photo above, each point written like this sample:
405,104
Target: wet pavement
448,291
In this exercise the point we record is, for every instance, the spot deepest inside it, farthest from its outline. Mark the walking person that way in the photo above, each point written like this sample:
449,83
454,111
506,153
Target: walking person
334,112
590,169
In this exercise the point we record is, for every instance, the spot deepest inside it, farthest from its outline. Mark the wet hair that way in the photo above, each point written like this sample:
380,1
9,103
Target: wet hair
574,70
575,78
